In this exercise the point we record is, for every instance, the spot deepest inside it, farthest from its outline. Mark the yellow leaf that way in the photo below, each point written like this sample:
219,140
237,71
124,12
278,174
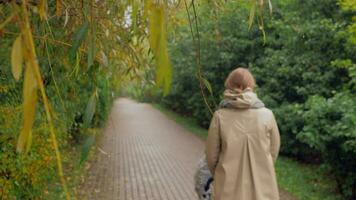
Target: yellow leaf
29,141
17,58
29,107
158,44
156,26
42,9
59,7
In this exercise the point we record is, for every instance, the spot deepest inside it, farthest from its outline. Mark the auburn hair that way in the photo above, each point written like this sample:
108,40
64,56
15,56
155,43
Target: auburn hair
239,79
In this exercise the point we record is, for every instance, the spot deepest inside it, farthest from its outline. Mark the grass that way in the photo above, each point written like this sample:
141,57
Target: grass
304,181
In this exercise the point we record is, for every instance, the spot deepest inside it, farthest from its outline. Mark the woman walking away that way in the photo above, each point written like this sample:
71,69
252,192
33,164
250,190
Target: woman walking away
243,143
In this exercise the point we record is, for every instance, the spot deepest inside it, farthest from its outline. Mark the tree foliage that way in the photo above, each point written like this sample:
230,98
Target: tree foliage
65,60
305,71
74,55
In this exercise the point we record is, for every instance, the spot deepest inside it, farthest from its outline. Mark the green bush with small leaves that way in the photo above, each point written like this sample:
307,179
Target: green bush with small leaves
305,72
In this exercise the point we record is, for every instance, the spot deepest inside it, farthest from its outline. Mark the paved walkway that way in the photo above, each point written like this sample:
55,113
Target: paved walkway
143,155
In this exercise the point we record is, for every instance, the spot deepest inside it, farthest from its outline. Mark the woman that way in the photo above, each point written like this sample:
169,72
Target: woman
243,143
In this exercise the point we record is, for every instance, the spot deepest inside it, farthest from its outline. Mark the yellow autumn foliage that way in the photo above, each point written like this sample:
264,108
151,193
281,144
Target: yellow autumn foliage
17,58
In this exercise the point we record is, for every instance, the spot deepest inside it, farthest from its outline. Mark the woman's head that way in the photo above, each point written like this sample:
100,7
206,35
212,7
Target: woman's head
239,79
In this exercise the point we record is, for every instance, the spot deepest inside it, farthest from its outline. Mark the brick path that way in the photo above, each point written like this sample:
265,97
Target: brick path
143,155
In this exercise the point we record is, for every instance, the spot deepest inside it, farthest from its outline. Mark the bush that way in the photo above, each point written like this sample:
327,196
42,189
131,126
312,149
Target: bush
330,129
305,73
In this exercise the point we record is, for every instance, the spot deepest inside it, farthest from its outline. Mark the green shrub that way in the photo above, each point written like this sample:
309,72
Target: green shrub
330,129
305,73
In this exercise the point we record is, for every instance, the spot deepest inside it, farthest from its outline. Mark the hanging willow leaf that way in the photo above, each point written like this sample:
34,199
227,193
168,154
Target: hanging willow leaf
59,7
29,104
104,59
91,48
29,142
164,72
252,14
66,18
79,37
155,26
77,63
90,110
270,7
207,85
42,9
146,6
86,148
158,44
134,15
17,58
91,53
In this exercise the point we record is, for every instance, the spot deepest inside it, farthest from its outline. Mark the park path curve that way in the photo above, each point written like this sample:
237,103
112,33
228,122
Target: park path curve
143,155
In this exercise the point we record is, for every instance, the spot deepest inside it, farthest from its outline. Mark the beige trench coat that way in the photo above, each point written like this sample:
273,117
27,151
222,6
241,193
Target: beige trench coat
241,149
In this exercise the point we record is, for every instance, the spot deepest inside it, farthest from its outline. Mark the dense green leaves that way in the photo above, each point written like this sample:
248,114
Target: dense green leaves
304,72
34,174
305,54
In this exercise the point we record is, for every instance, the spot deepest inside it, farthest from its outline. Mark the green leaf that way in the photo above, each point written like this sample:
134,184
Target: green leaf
90,109
91,48
86,149
134,15
207,85
90,54
270,7
252,14
79,37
